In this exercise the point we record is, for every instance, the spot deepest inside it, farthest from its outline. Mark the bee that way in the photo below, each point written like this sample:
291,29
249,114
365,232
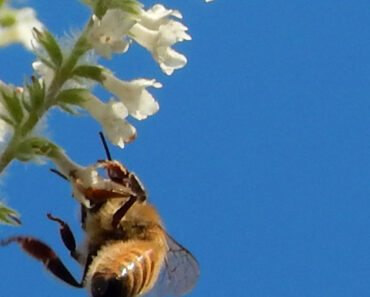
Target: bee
126,252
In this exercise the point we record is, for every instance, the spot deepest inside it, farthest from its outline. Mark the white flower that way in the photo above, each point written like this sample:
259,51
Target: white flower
107,35
20,29
157,32
111,116
138,101
47,74
84,179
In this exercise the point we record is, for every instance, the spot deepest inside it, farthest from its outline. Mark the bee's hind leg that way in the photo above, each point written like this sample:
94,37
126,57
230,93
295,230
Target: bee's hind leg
42,252
67,236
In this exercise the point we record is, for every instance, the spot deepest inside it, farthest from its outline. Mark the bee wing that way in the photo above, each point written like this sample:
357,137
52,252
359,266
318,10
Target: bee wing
179,274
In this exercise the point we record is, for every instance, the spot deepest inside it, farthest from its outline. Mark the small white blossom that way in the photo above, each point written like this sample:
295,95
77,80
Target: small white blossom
157,32
111,116
107,35
133,94
47,74
83,178
20,30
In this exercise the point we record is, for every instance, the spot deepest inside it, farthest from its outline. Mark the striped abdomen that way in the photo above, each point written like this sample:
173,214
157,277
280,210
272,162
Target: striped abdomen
125,269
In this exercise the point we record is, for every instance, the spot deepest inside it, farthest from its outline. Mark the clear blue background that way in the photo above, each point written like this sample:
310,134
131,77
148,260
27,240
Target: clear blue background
258,160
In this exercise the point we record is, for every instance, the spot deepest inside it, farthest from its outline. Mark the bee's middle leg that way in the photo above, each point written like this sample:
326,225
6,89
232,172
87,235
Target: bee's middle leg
67,236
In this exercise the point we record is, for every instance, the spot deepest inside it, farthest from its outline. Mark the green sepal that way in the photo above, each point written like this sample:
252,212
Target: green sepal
27,106
37,94
30,148
72,96
50,45
7,120
129,6
46,62
9,216
89,71
2,2
13,106
68,108
7,20
80,48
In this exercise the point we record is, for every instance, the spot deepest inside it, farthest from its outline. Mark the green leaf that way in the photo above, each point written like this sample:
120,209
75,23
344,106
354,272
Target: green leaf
72,96
46,62
7,120
68,108
80,48
51,46
27,106
89,71
9,216
33,147
13,106
37,94
130,6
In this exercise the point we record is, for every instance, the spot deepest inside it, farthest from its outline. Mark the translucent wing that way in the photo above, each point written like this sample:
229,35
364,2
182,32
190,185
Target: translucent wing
179,274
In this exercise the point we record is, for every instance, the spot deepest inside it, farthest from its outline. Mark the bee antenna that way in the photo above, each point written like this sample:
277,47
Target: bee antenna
57,172
107,152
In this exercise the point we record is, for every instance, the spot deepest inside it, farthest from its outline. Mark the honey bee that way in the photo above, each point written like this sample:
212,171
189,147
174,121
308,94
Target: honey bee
126,252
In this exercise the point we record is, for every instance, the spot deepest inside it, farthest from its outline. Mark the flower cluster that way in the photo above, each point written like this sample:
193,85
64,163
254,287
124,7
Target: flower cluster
16,26
64,75
156,29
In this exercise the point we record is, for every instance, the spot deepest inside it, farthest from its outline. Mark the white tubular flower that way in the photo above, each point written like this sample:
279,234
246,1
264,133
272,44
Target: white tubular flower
19,28
85,179
111,116
72,171
107,35
157,32
46,72
133,94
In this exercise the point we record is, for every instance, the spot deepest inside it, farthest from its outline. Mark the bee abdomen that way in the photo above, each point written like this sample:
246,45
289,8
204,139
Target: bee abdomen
137,271
125,269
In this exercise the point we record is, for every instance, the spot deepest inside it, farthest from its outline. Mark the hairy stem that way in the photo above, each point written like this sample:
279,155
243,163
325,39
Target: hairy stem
60,77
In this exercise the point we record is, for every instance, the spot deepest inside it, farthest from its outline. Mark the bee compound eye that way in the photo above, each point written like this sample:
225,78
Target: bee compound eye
102,286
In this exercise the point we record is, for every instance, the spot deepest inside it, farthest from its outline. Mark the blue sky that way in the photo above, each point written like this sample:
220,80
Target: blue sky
258,160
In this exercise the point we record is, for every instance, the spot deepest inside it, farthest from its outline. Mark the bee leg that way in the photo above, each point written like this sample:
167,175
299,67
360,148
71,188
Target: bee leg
118,215
42,252
66,235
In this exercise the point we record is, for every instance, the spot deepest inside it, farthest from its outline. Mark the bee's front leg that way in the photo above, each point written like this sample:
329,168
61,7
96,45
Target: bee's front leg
118,215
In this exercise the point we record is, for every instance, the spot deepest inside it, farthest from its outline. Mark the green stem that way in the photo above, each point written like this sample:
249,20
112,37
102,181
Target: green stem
7,156
60,77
